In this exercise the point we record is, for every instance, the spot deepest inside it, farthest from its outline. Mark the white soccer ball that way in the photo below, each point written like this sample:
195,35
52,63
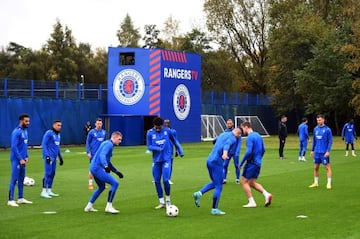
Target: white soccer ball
29,181
172,211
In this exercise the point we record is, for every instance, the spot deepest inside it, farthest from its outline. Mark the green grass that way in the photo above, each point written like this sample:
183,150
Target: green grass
331,213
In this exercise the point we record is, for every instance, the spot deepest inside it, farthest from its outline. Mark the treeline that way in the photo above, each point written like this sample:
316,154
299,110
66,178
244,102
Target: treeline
305,54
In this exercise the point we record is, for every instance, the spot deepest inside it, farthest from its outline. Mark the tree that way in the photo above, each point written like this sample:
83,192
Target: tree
294,32
151,37
171,33
241,28
128,35
324,83
62,50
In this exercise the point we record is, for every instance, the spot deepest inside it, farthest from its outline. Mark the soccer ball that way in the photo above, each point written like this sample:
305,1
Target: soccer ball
29,181
172,211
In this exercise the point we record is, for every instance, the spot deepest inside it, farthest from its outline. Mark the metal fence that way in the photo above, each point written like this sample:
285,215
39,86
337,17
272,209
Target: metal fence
51,89
67,90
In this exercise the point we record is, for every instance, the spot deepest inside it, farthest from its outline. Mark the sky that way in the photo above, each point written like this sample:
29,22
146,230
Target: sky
30,22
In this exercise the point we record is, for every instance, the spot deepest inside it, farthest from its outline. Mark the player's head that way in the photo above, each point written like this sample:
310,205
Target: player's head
24,120
246,128
320,119
230,124
57,125
167,123
304,120
116,137
237,132
98,123
351,121
158,123
283,119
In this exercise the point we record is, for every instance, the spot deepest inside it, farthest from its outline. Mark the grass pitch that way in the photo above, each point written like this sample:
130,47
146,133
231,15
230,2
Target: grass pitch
330,213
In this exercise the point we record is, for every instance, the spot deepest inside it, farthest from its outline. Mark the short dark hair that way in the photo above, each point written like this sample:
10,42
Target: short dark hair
320,116
22,116
98,119
158,121
246,124
304,119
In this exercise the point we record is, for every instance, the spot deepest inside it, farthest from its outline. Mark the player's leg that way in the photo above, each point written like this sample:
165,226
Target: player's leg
305,143
47,171
317,162
245,182
225,169
352,149
21,199
300,150
326,163
237,170
157,172
101,187
15,170
207,187
171,170
50,182
166,171
114,184
217,178
346,149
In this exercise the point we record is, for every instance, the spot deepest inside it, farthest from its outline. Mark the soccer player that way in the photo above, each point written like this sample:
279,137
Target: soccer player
94,138
160,140
348,134
214,163
233,153
303,134
282,132
321,146
100,168
255,150
50,152
19,157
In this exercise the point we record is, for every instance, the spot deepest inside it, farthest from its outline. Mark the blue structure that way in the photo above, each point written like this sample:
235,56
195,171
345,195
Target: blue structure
144,83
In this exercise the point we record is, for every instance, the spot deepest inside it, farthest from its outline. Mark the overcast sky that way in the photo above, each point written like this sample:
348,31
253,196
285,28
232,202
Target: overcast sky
30,22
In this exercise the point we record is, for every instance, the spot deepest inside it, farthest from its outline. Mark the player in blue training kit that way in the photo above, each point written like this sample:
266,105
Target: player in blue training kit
50,152
322,142
215,165
303,134
234,153
348,134
161,141
93,140
100,168
255,150
19,157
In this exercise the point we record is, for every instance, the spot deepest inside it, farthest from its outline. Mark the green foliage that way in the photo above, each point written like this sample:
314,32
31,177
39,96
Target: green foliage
128,35
241,28
331,213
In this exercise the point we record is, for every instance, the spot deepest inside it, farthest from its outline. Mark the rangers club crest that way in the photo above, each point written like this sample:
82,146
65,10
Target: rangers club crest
128,86
181,102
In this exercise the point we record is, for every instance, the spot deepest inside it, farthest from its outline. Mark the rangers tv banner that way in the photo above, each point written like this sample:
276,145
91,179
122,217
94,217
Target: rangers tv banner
157,82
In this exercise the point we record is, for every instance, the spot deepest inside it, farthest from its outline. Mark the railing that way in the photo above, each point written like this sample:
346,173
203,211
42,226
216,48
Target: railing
68,90
51,89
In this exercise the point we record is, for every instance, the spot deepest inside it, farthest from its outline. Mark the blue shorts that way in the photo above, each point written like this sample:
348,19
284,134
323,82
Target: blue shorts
251,171
320,159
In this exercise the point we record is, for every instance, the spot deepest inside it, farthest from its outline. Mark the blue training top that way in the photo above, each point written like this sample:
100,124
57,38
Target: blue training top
322,139
255,149
102,157
224,142
19,144
303,132
161,144
94,140
51,145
